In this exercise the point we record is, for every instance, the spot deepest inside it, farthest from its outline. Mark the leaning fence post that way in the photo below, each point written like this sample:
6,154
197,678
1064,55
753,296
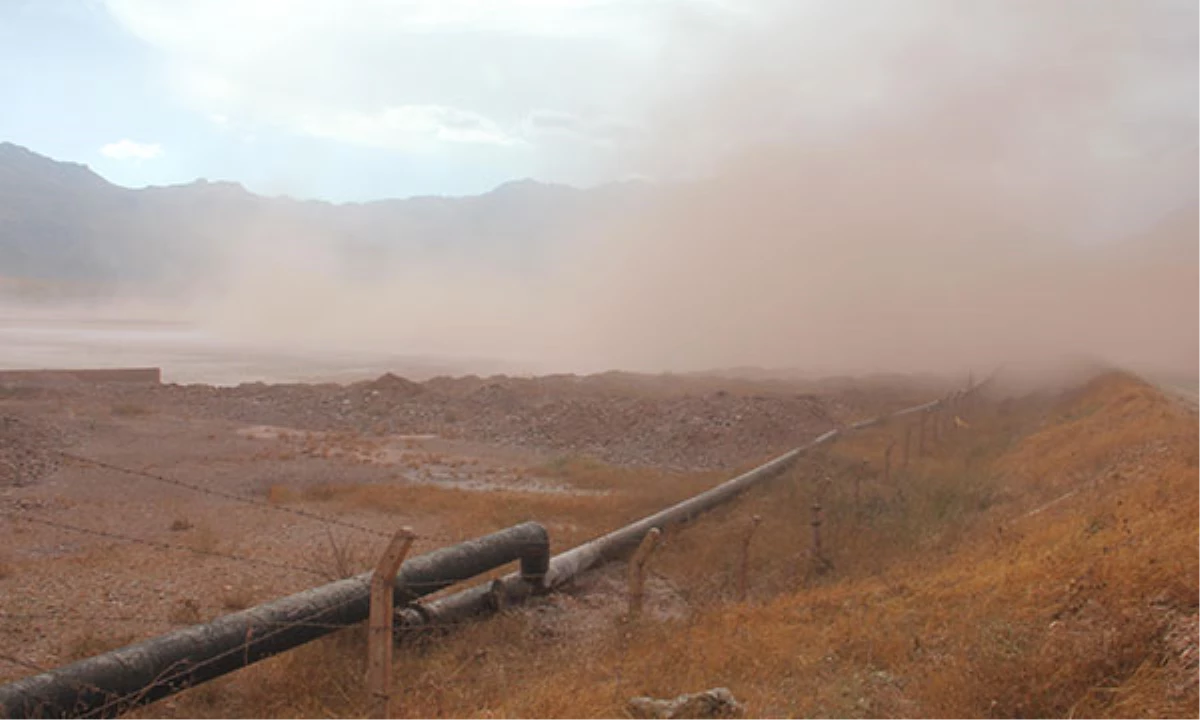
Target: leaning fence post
379,638
637,566
744,568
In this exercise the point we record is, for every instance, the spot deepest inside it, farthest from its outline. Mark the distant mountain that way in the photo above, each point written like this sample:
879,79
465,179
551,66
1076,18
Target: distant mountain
62,225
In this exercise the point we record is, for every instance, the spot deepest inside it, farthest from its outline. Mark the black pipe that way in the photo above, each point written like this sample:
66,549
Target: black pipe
615,545
564,567
112,683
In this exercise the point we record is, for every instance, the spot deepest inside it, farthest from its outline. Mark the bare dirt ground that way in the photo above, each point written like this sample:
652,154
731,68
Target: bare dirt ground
477,453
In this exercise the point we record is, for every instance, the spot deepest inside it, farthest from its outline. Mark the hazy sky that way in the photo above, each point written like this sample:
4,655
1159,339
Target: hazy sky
378,98
898,184
352,100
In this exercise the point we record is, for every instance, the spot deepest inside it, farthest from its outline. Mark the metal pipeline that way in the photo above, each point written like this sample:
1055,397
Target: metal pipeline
615,545
112,683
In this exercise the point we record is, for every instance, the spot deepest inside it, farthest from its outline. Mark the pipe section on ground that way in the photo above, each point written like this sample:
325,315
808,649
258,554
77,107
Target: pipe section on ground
613,546
114,682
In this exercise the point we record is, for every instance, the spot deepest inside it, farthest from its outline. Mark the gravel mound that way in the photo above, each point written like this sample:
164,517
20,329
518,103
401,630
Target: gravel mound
624,419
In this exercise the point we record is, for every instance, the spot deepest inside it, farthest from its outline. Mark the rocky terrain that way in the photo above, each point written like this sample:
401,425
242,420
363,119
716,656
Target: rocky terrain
27,449
667,422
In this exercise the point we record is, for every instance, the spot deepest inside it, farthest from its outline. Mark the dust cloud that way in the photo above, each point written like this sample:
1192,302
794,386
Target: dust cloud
841,188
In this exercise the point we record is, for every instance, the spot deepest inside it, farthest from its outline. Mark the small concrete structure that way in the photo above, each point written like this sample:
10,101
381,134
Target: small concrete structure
142,375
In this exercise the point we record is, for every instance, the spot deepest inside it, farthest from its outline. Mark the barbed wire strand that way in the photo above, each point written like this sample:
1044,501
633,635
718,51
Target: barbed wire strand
159,545
165,678
429,537
437,625
222,494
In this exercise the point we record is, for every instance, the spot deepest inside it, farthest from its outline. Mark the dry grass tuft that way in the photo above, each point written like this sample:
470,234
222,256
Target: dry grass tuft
203,538
236,597
184,612
280,494
93,641
346,557
129,410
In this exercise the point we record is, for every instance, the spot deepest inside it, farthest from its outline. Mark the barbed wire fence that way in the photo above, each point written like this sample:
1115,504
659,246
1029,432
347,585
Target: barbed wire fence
40,519
327,522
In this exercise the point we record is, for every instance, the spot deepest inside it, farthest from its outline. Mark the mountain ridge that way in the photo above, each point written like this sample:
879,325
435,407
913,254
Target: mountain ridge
62,221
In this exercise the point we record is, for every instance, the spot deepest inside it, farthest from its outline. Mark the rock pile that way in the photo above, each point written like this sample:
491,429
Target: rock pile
715,703
671,422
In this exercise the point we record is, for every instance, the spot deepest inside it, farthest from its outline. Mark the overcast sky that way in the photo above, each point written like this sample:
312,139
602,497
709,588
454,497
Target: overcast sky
376,98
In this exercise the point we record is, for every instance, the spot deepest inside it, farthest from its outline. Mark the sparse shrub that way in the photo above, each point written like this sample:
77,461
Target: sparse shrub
279,494
184,612
236,598
181,524
127,409
92,642
203,538
323,492
342,559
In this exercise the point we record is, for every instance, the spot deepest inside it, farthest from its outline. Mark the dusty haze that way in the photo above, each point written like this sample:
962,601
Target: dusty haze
934,186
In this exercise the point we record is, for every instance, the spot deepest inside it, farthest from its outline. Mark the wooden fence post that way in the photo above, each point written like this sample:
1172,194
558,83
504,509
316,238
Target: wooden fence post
637,566
907,443
379,637
860,471
744,568
921,433
887,461
820,564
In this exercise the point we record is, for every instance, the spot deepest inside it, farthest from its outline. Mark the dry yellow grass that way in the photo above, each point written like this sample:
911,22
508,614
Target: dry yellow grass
129,410
572,518
94,641
1042,562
